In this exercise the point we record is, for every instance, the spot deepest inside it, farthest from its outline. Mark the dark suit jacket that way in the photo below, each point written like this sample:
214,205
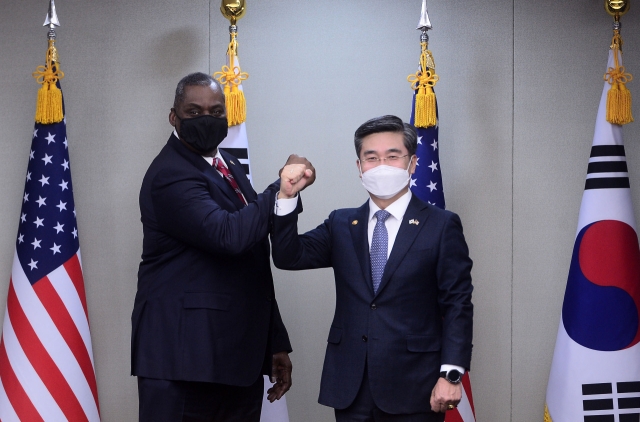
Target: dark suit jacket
205,308
420,317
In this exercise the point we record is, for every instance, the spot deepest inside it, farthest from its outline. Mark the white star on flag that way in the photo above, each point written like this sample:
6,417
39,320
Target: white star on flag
433,166
36,243
58,227
47,158
432,186
50,138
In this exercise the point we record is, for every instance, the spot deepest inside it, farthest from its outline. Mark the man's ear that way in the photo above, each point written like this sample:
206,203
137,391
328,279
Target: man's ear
172,117
358,164
412,166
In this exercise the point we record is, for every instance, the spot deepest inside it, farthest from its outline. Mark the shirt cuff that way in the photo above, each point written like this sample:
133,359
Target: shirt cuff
447,368
286,205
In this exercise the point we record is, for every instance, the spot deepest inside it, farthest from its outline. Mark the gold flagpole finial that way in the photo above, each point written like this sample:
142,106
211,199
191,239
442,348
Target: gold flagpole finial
616,8
233,10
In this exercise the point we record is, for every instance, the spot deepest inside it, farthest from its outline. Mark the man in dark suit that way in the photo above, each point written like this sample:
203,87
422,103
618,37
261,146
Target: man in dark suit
205,324
401,335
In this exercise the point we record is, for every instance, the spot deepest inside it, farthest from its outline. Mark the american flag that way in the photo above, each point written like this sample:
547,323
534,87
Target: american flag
426,184
46,360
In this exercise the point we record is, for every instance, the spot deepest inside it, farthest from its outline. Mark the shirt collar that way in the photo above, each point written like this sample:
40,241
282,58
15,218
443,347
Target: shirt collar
396,209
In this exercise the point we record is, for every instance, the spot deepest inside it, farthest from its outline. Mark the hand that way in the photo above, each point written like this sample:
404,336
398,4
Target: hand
296,159
444,393
281,375
293,179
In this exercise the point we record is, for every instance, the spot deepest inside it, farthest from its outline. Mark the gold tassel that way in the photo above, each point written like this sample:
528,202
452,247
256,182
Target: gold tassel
423,81
547,416
230,77
49,103
618,97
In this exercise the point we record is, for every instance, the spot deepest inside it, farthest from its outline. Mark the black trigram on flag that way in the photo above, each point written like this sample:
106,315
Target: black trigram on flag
602,404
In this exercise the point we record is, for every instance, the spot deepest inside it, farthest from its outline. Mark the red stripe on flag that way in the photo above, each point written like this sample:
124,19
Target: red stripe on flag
22,404
466,384
46,368
67,328
73,268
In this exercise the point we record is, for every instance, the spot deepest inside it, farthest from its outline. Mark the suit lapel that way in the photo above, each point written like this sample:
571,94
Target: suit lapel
358,226
202,165
417,213
240,176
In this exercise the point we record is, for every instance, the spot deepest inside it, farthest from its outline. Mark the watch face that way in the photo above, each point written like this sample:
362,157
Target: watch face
454,376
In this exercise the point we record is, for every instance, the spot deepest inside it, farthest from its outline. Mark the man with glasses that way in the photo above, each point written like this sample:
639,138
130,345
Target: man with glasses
401,335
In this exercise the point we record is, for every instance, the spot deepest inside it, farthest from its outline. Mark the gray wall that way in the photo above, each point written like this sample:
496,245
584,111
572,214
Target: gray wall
519,88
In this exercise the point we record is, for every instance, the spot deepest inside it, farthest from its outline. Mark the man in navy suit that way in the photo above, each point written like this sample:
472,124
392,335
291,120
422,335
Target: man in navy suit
205,324
401,335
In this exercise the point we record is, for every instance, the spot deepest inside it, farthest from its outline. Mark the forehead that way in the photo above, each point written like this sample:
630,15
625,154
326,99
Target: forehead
203,95
383,142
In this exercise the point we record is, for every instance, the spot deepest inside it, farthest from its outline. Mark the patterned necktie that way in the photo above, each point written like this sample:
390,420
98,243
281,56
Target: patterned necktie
378,251
219,165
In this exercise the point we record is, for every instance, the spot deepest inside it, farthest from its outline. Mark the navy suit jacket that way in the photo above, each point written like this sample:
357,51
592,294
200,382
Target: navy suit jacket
205,308
420,317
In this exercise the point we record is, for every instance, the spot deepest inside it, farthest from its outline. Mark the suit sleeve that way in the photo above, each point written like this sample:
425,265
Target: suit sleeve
291,251
279,336
186,209
454,284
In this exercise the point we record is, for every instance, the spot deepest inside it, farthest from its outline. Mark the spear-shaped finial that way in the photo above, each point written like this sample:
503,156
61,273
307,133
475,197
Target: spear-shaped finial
424,24
51,20
52,17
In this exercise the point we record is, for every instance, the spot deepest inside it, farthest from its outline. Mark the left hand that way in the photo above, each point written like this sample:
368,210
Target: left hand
281,375
444,394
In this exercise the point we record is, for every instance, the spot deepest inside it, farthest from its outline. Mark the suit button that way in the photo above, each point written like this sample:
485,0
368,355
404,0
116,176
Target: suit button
374,307
364,338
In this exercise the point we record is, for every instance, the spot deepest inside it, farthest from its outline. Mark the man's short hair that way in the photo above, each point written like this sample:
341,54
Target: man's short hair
193,79
387,124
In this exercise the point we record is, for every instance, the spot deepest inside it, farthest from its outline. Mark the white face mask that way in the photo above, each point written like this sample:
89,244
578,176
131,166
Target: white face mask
385,181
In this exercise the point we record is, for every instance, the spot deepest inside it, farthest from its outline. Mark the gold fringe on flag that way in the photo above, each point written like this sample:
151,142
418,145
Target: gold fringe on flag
424,80
49,103
618,97
230,77
547,416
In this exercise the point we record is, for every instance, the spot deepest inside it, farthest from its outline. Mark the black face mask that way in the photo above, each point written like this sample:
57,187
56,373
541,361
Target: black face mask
203,133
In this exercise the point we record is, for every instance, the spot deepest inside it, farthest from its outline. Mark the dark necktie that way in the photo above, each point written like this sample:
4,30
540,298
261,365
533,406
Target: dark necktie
378,251
219,165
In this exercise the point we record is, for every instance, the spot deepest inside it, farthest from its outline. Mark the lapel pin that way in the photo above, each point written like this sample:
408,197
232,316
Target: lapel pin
413,221
232,163
354,222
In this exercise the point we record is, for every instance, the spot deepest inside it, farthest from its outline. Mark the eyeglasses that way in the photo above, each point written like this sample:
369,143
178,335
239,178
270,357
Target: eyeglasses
391,159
